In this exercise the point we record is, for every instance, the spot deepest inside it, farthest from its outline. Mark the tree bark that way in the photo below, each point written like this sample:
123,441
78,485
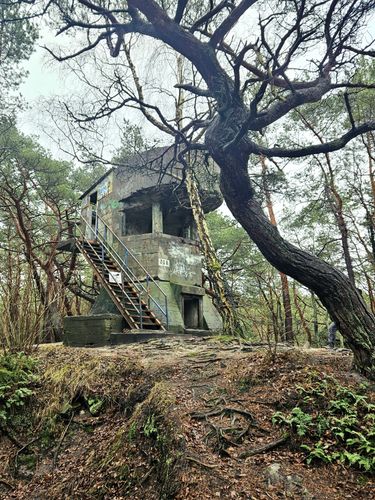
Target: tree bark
222,295
336,204
301,315
370,213
314,306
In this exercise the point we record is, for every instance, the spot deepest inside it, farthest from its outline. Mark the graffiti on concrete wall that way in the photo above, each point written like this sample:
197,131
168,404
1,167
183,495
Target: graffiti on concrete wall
184,263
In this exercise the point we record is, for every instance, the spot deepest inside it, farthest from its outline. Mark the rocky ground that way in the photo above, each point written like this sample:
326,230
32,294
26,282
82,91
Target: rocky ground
171,419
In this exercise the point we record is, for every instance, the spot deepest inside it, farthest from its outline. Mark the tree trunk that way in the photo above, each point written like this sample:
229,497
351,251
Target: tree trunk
343,302
370,214
226,309
222,296
301,315
288,318
314,306
337,209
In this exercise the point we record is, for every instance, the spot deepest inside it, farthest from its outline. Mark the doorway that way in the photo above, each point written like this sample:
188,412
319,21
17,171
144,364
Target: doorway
192,311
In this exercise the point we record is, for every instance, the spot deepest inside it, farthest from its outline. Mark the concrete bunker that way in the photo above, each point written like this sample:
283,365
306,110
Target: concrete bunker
151,217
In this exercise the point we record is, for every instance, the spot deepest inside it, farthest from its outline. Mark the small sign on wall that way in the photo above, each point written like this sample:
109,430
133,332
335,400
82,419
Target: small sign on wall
115,277
164,263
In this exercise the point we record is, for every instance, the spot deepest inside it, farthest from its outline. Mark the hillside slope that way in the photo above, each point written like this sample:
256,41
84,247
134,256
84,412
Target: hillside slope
185,420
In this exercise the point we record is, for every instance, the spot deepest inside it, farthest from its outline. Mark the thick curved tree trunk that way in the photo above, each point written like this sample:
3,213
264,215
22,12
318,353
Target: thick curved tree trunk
343,302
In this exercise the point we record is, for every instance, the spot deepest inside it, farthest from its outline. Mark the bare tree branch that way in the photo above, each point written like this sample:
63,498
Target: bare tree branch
327,147
230,21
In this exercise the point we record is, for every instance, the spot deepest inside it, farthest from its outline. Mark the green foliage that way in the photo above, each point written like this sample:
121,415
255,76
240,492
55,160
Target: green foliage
297,420
95,405
16,42
150,428
336,423
17,377
132,431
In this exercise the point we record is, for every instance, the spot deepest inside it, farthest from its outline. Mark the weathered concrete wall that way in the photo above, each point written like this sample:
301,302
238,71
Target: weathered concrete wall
166,257
159,210
176,321
143,171
211,319
107,206
91,330
103,304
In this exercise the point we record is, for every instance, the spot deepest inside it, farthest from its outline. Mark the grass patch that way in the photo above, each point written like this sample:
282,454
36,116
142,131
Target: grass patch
86,380
18,378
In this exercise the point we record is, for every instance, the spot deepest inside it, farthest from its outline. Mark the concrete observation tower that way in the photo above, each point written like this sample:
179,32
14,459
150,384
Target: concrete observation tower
137,232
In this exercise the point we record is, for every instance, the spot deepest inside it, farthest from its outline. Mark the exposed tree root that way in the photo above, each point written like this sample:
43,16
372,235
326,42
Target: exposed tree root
220,411
266,447
209,360
5,483
196,461
219,434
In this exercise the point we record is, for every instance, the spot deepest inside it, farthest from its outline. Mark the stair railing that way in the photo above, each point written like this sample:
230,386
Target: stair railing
136,306
102,238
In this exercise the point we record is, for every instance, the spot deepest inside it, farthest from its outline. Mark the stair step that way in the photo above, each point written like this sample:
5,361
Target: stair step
130,305
126,296
134,298
99,259
127,290
152,327
145,322
147,315
108,265
125,285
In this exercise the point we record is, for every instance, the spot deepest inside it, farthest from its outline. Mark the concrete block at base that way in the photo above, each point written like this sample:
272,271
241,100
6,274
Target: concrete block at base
85,331
103,304
211,317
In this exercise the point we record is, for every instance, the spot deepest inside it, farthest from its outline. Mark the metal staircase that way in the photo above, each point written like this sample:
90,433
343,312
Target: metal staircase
129,293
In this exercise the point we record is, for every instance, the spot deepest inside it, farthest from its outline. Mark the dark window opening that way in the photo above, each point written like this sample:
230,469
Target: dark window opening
123,224
94,198
93,202
93,218
175,225
137,221
192,311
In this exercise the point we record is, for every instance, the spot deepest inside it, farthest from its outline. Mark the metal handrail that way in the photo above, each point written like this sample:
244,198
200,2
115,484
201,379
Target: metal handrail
138,308
102,238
